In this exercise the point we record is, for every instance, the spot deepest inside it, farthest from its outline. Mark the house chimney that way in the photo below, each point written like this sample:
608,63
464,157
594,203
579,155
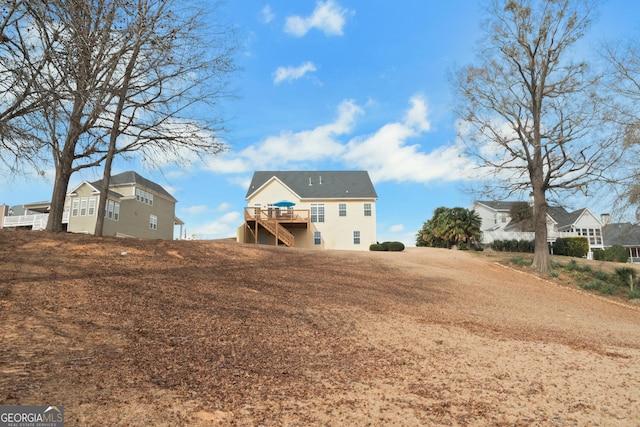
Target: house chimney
605,218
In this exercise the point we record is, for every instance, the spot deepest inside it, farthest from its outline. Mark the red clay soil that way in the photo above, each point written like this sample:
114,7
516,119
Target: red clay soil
129,332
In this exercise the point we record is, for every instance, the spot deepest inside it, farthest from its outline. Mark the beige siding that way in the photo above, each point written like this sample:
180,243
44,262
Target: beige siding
134,216
336,231
81,221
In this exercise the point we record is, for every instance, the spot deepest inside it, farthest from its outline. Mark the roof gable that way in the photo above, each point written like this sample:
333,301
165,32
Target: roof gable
133,178
318,184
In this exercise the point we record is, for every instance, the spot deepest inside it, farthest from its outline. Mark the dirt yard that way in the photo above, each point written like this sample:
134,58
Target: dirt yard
126,332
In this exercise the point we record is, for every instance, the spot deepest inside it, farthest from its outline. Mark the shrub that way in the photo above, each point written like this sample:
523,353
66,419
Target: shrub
615,253
626,275
513,245
634,294
594,285
520,262
608,290
394,246
571,246
387,246
601,275
572,265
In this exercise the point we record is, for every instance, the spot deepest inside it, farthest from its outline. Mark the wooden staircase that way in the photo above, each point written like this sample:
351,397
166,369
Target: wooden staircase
281,233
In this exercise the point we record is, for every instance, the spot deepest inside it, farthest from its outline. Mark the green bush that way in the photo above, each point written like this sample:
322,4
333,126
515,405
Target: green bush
634,294
513,245
394,246
626,276
387,246
520,262
594,285
615,253
608,290
601,275
571,246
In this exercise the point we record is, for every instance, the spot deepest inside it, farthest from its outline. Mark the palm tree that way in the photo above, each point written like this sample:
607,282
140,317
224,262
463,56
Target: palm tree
458,225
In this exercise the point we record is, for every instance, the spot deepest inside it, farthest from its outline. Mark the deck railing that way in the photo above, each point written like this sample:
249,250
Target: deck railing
36,222
282,215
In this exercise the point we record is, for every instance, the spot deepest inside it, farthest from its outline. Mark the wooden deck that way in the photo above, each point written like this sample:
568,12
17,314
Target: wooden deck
277,222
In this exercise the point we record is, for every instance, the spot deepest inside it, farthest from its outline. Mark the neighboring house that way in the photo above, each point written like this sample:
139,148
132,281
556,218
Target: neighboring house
136,207
626,235
497,224
310,209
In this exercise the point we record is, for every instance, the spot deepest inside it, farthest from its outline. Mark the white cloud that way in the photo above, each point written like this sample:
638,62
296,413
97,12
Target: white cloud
386,153
396,228
388,157
195,210
328,17
224,206
223,227
292,73
267,14
317,144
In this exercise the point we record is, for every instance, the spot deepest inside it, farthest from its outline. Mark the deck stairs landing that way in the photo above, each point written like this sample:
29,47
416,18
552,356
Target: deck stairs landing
280,233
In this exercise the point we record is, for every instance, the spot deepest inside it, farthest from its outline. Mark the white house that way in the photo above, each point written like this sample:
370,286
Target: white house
310,209
497,224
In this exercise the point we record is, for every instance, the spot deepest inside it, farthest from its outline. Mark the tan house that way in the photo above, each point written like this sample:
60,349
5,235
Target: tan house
136,207
310,209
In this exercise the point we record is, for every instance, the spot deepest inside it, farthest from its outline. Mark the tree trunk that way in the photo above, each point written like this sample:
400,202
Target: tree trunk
541,259
56,212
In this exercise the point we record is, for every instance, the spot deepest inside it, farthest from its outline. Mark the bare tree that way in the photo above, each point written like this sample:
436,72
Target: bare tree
25,52
530,114
624,80
129,77
168,70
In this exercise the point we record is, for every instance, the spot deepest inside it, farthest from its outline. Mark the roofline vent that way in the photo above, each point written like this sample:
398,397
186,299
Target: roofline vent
310,184
320,180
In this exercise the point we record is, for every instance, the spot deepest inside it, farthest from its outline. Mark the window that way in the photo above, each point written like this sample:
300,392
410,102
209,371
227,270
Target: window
76,206
342,209
367,209
112,210
153,222
144,196
83,206
110,205
317,212
317,238
356,237
92,206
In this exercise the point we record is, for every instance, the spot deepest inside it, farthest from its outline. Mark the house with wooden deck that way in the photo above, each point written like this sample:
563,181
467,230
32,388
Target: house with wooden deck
136,207
310,209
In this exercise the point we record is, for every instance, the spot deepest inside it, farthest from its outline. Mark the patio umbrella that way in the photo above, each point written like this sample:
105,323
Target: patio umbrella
284,204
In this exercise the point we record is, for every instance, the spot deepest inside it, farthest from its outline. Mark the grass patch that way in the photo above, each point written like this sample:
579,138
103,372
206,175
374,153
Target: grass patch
635,294
594,285
520,261
608,290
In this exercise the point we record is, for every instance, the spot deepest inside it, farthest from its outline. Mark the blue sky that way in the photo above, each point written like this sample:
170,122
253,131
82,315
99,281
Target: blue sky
338,85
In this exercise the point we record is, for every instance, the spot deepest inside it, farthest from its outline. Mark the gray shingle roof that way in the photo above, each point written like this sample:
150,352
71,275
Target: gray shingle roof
319,184
558,213
131,177
625,234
